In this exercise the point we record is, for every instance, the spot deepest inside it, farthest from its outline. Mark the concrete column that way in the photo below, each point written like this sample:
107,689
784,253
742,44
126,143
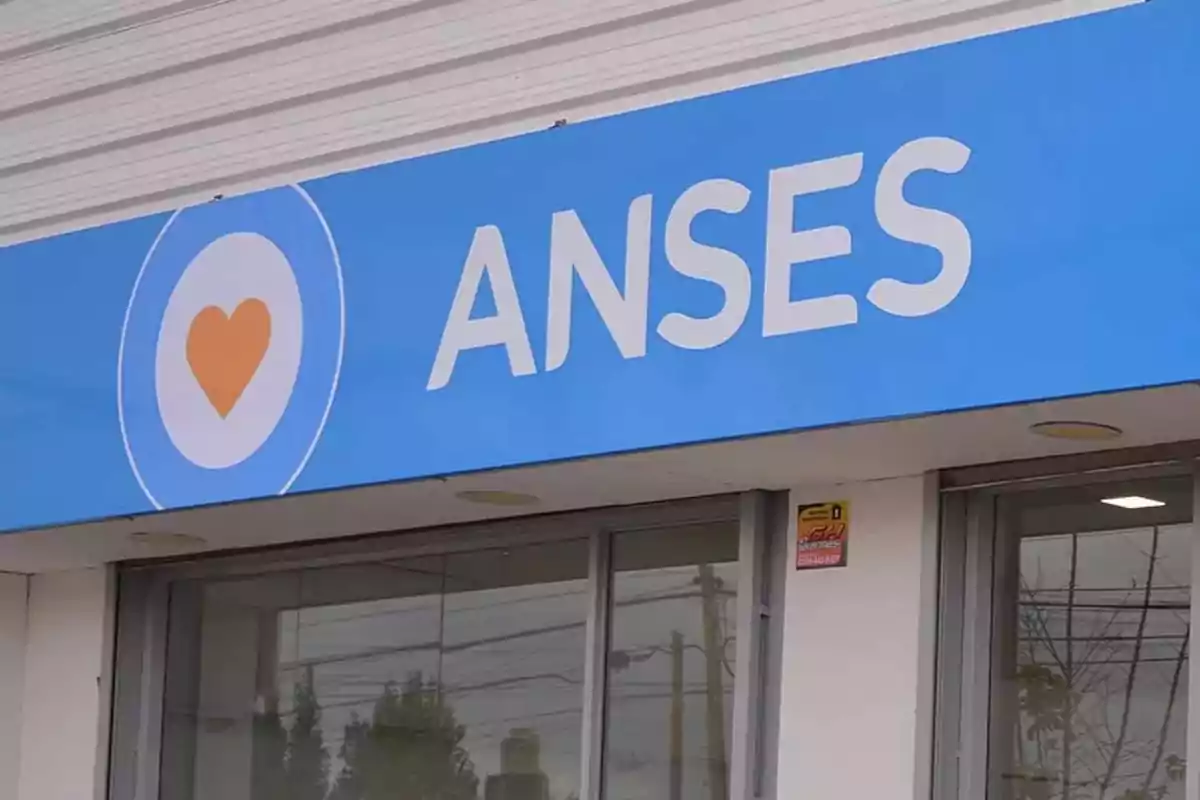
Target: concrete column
14,591
65,702
856,693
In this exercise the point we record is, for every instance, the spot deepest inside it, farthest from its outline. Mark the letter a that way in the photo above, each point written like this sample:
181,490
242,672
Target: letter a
486,257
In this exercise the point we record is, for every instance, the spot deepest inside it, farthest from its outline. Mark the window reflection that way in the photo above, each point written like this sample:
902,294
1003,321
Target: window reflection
512,666
372,665
445,678
1094,686
670,665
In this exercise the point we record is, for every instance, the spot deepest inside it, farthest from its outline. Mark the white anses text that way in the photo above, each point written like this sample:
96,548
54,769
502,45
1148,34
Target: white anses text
625,310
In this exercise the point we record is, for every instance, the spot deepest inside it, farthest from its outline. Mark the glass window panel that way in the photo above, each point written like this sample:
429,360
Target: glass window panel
361,655
441,678
1093,648
512,666
671,663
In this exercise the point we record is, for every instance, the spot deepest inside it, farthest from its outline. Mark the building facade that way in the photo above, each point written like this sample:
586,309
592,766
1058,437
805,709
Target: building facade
655,400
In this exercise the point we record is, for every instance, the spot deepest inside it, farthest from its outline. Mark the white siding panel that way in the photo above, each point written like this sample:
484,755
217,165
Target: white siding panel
30,25
198,98
198,39
385,53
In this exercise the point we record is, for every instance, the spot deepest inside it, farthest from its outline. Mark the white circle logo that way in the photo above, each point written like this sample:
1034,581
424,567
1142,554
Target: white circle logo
231,350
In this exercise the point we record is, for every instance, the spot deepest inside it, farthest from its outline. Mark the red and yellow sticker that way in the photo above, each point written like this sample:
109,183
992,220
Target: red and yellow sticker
822,535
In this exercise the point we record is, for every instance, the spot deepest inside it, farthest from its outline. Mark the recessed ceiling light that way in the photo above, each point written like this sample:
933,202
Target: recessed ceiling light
1133,502
489,497
1076,430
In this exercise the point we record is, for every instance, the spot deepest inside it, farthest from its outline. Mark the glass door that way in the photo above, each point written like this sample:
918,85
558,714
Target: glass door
1074,607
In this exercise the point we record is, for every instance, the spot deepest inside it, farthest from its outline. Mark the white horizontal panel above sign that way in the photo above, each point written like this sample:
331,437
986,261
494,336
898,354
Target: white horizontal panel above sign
225,116
29,26
399,51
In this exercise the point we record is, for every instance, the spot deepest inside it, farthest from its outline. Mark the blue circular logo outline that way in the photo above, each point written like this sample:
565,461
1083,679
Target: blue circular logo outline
284,216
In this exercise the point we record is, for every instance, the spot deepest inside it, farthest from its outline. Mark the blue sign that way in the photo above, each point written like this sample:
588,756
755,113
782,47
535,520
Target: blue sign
1001,220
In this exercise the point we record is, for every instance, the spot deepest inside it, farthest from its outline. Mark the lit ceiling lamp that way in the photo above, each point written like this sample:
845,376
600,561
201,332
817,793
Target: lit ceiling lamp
1133,502
1076,430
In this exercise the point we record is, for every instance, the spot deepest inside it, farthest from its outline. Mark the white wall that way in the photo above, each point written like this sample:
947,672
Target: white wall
109,109
856,677
65,700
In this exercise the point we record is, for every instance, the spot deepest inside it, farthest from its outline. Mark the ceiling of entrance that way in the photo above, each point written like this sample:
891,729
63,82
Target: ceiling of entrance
831,456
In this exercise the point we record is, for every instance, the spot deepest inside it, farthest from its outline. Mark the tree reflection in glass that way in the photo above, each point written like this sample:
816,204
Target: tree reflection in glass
1095,688
444,678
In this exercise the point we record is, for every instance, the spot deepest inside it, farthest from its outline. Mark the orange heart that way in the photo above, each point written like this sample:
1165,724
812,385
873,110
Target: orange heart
224,352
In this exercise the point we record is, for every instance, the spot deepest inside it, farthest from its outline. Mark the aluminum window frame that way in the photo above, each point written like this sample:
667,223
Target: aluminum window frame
143,614
972,564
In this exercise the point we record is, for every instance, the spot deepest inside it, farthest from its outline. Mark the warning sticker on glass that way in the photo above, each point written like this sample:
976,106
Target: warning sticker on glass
822,535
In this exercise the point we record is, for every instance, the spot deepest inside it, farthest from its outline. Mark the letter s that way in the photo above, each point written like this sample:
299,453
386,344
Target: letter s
707,263
910,223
